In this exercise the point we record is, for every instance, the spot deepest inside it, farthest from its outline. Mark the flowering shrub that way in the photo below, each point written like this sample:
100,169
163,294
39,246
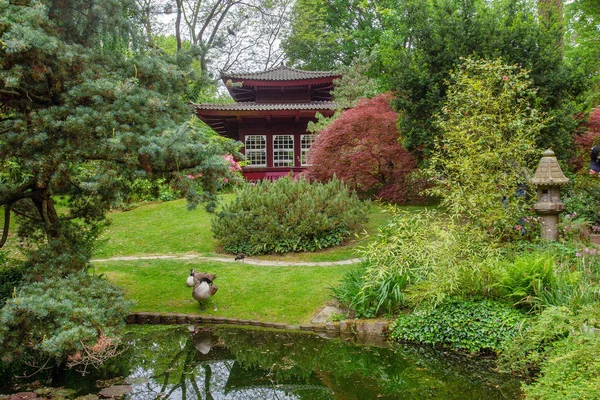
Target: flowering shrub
574,228
288,215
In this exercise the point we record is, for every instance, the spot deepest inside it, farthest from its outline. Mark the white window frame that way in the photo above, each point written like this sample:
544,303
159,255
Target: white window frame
255,150
283,153
304,148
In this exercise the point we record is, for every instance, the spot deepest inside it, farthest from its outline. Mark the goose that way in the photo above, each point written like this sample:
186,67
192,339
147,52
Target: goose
203,290
190,279
198,276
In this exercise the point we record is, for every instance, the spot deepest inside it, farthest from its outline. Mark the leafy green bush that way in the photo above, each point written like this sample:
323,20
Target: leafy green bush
288,215
582,196
418,258
527,276
11,275
537,338
77,320
571,371
461,324
489,125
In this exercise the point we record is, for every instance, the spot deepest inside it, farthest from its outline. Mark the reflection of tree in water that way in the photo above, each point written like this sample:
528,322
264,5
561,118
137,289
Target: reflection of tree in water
230,363
193,367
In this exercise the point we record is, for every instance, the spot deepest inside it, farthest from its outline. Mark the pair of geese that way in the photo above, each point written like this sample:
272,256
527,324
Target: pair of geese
202,283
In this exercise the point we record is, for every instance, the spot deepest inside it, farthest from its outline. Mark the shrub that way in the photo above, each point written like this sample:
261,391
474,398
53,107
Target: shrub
489,127
368,156
571,371
539,336
11,275
418,258
74,320
582,196
288,215
461,324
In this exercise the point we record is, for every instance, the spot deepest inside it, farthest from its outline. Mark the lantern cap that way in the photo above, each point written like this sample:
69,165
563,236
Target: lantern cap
548,172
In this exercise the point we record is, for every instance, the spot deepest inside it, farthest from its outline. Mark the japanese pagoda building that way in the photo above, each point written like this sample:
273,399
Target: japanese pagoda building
270,116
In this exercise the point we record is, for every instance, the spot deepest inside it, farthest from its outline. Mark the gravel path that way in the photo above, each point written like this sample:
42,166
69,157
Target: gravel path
247,260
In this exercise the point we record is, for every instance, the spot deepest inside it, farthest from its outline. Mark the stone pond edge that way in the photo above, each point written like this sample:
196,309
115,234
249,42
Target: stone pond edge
360,327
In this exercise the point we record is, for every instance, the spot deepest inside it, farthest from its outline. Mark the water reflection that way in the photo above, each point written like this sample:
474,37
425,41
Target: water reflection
237,363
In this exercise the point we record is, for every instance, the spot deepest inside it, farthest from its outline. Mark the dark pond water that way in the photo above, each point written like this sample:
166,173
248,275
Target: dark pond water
238,363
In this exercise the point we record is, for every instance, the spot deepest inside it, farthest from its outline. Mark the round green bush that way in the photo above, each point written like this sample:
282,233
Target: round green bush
288,215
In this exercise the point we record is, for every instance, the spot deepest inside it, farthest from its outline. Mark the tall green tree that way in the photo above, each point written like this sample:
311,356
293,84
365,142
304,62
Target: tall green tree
582,45
83,120
328,33
429,39
85,109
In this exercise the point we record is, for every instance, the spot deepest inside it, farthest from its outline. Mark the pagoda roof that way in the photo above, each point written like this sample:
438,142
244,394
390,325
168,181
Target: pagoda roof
280,73
548,172
253,106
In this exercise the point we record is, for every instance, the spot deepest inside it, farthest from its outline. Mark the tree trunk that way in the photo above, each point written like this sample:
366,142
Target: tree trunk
178,25
43,203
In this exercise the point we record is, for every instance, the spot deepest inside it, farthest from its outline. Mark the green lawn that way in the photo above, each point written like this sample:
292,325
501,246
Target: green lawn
170,228
289,295
158,228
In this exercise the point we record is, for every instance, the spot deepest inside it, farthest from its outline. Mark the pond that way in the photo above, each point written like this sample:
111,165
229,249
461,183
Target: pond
170,362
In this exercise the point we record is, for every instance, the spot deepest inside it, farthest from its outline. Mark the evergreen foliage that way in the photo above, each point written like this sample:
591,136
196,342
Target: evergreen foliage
481,165
11,275
86,111
106,119
75,320
288,215
369,157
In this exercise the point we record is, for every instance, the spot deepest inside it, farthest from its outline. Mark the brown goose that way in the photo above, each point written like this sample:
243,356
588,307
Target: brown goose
203,288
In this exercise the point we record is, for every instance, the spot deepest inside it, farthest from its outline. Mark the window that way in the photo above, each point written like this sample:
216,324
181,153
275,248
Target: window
305,142
283,151
256,150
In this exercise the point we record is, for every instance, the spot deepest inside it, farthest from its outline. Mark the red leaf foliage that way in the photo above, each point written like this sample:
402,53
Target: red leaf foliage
585,142
362,148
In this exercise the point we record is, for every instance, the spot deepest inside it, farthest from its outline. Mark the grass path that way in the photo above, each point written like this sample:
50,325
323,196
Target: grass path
247,260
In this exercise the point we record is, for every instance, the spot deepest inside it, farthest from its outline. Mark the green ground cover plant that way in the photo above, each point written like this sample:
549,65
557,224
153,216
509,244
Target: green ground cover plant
475,326
288,215
271,294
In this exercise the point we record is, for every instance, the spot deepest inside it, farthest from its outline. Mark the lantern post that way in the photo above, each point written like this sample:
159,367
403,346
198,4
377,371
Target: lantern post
548,178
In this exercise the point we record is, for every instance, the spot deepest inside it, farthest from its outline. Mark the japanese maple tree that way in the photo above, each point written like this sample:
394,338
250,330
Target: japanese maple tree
362,148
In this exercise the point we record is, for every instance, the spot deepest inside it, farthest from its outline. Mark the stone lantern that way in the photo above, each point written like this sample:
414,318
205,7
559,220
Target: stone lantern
549,178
